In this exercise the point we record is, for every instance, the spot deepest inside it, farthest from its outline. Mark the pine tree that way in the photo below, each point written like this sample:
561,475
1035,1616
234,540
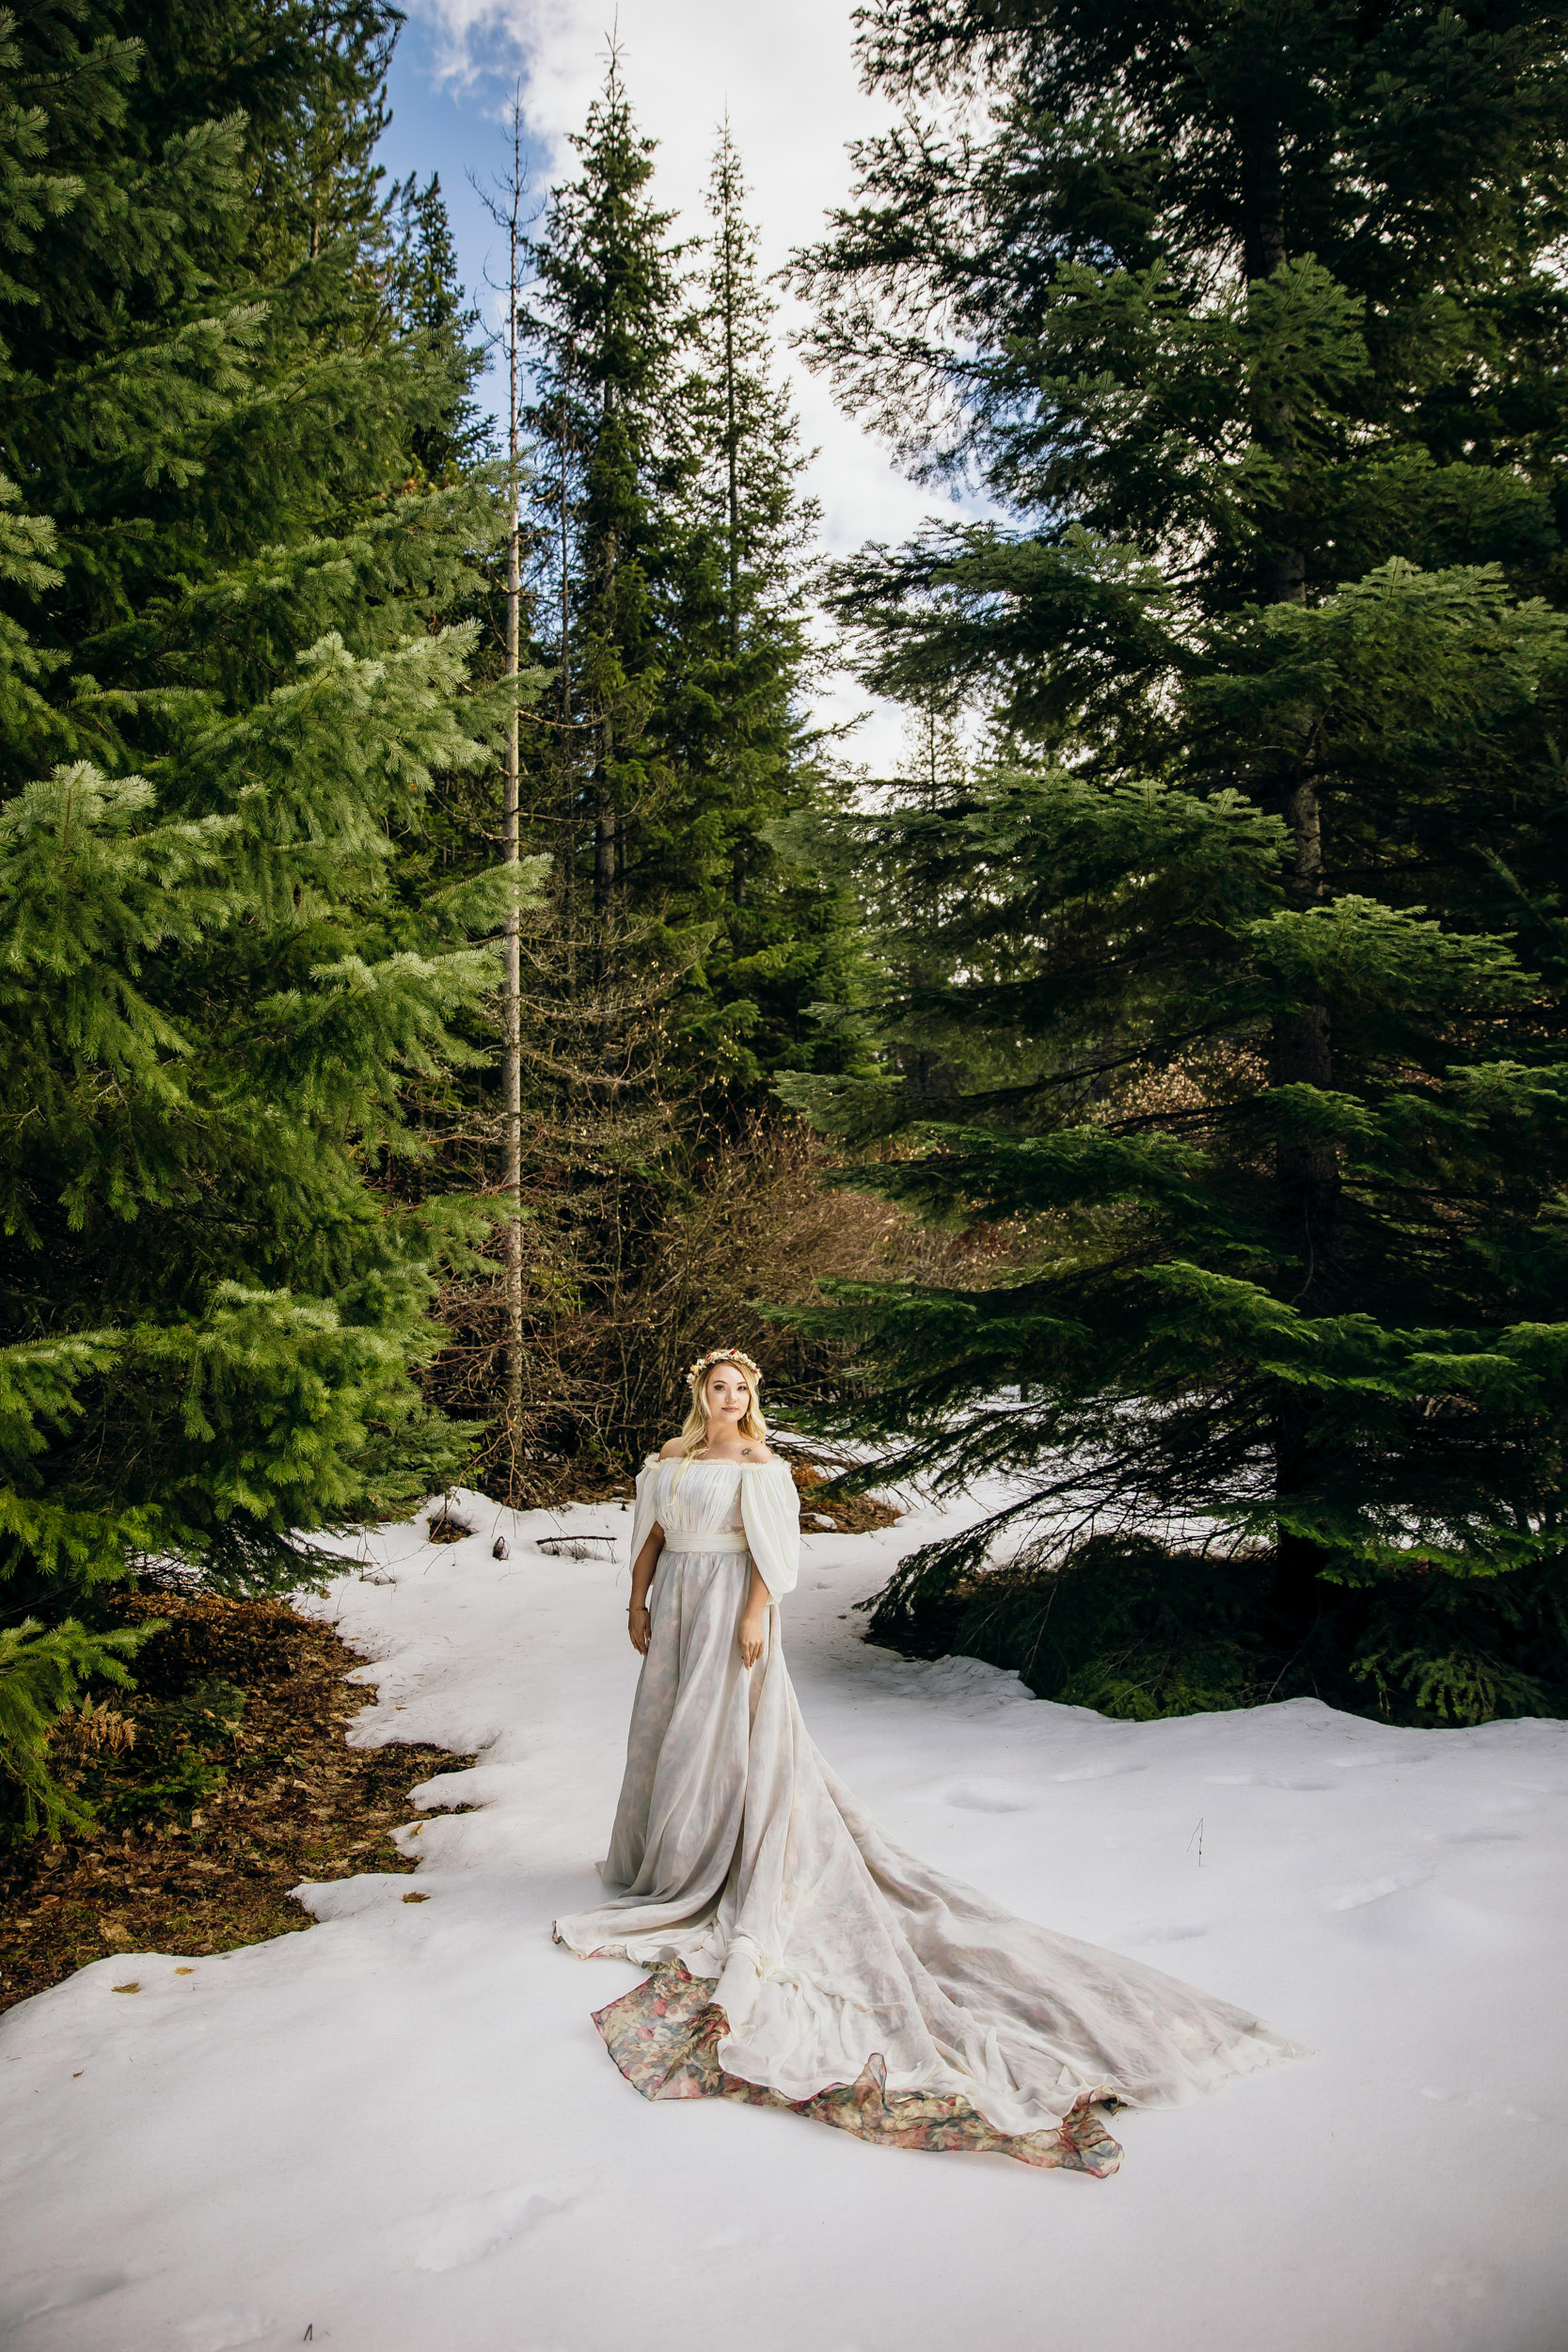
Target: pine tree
427,301
740,754
673,539
664,542
603,324
224,695
1252,962
596,334
1258,295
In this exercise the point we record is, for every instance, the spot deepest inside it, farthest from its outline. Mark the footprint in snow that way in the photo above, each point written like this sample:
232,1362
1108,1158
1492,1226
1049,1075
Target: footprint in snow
479,2226
1442,2096
29,2297
1172,1931
986,1796
1407,1917
1363,1758
221,2331
1268,1780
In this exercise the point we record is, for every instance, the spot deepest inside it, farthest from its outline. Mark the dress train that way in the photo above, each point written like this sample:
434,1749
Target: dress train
799,1958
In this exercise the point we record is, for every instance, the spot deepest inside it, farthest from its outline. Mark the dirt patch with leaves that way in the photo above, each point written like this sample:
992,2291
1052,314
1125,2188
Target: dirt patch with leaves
221,1781
845,1514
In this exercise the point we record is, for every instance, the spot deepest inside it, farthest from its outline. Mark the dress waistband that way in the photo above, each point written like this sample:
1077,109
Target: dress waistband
716,1539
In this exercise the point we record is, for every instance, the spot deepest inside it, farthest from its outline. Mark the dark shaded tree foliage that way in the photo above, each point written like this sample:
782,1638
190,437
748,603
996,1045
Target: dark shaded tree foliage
1241,963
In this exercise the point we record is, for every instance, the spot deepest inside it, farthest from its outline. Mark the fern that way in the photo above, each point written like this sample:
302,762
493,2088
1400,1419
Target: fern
42,1669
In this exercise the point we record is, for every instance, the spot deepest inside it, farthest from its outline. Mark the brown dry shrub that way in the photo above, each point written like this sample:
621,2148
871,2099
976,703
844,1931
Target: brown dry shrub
1190,1090
91,1730
625,1285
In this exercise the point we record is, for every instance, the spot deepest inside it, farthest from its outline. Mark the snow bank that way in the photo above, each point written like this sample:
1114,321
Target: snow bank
399,2132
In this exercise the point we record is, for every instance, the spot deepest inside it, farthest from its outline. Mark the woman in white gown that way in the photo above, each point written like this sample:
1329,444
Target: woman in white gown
799,1958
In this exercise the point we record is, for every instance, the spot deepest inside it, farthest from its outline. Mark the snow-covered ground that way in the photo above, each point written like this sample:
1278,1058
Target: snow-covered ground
399,2132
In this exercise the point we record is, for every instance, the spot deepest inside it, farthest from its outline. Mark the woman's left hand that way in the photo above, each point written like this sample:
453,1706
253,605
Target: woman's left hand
754,1635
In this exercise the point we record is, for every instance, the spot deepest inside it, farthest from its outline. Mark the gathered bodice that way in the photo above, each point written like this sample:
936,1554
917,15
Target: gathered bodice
728,1503
695,1499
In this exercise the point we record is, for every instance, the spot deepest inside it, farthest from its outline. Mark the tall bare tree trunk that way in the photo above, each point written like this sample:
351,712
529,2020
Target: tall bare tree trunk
1306,1175
513,1049
604,840
604,766
1282,570
732,456
568,757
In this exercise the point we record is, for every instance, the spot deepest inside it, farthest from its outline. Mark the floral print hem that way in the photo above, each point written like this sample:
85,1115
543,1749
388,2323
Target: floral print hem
664,2036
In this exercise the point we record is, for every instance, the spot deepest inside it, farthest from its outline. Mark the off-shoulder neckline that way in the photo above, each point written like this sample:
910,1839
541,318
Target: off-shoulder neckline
714,1461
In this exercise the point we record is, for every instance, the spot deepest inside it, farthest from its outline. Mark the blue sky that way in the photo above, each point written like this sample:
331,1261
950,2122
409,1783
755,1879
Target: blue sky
443,125
788,81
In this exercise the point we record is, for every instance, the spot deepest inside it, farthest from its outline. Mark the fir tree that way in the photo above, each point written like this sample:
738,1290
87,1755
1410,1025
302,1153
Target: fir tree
1258,995
224,695
604,324
427,301
673,535
736,617
664,550
1260,295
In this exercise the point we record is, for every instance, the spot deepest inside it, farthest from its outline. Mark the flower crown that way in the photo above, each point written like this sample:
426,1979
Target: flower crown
704,1364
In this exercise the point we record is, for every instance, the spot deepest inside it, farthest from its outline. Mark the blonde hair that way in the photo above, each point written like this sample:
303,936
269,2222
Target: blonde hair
693,1431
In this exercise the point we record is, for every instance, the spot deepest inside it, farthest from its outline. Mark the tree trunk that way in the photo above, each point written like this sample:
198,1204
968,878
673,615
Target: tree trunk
513,1070
568,760
1263,248
1282,570
731,473
604,847
604,770
1307,1176
732,456
1297,1589
512,1076
1282,575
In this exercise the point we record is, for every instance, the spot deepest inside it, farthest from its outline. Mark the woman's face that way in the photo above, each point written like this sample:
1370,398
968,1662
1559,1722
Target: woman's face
726,1396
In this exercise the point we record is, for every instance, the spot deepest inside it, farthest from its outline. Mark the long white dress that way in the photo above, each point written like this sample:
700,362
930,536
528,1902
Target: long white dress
799,1957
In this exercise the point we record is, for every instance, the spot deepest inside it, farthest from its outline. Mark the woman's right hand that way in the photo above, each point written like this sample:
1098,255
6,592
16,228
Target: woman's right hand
639,1626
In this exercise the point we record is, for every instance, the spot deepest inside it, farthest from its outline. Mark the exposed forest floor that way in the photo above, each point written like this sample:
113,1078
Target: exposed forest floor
238,1785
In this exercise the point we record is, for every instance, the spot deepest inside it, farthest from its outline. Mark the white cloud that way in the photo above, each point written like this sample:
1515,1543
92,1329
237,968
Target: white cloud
787,77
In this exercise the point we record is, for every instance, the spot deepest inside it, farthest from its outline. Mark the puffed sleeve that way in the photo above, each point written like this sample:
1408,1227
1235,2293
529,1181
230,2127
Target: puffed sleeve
770,1509
645,1515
